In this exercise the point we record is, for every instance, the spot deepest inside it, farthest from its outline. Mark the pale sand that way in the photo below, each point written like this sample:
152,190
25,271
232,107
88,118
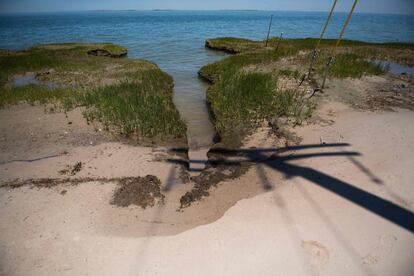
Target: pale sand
298,228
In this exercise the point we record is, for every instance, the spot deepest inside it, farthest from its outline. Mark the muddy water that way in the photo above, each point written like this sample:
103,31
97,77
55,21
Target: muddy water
24,80
190,99
189,88
395,68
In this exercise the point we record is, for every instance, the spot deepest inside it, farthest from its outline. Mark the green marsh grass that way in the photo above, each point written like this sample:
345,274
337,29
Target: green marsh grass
143,107
240,99
350,65
245,99
354,64
33,94
129,96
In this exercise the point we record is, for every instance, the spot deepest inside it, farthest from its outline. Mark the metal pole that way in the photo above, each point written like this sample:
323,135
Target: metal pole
331,58
315,51
268,31
314,56
326,25
327,69
344,28
278,43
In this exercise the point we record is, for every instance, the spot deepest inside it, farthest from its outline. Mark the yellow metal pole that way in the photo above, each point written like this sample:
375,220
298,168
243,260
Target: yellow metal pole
315,53
344,28
331,58
326,24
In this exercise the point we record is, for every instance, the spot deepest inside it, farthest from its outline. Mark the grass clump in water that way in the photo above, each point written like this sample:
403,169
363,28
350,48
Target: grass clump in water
231,44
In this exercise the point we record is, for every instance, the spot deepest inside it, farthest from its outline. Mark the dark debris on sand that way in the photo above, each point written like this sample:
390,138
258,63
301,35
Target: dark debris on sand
209,178
72,170
140,191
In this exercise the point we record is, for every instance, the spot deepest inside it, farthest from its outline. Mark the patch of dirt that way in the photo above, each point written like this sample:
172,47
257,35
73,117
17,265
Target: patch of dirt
27,132
233,157
105,53
402,56
72,170
138,191
387,102
297,62
396,92
282,129
52,182
76,168
209,178
375,93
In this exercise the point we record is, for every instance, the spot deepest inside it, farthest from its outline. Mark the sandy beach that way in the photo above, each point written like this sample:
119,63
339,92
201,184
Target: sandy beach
206,142
336,204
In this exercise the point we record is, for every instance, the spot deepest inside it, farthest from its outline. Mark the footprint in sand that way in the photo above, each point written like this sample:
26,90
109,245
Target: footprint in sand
317,256
381,250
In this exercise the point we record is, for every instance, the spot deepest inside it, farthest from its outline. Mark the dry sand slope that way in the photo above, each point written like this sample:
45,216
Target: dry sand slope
339,205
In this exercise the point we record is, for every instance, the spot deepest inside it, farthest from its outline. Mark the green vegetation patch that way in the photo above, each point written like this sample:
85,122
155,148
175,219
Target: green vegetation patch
230,65
102,49
248,87
141,107
133,97
350,65
351,61
33,94
231,44
245,99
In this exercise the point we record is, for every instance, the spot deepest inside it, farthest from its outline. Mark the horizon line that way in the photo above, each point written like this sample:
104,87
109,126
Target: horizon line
189,10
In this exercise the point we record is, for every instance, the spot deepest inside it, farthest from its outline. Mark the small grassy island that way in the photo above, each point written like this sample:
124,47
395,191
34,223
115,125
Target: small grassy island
260,83
126,96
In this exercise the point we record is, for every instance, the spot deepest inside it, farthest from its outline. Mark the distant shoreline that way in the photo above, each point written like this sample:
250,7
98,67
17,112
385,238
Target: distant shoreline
179,10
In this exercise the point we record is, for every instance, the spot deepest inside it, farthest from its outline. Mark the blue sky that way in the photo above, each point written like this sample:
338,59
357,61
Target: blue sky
373,6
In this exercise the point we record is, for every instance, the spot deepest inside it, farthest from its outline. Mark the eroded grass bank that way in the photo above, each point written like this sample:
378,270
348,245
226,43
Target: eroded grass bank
130,97
260,84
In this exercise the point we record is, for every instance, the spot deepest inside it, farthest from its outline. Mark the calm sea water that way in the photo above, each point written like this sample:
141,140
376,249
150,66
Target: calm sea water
175,41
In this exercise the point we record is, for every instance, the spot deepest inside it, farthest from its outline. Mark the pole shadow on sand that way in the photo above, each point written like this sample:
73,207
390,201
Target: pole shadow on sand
270,157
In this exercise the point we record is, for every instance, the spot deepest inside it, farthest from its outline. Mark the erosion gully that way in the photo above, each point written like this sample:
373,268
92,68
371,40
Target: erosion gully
190,99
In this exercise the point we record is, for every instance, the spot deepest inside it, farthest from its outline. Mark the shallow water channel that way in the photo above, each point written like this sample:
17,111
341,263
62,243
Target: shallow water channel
189,88
190,99
395,68
23,80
